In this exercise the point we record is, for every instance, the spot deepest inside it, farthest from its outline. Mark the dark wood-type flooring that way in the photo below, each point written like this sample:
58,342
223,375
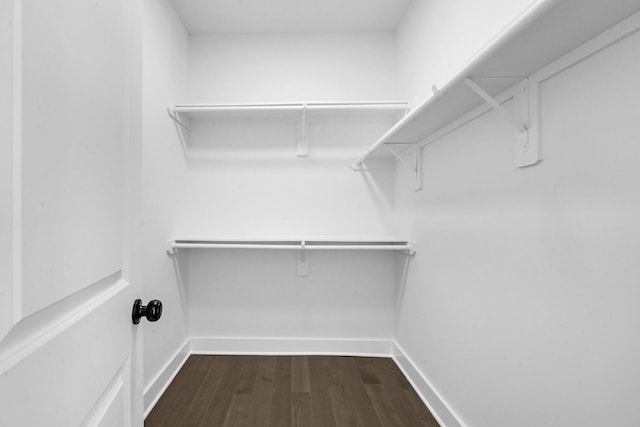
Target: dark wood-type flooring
286,391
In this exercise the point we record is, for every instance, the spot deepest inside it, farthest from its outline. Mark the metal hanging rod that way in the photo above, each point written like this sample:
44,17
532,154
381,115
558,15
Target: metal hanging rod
388,245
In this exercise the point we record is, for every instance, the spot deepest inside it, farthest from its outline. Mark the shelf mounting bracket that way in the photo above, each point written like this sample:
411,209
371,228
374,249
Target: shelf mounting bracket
303,137
525,151
415,168
303,261
179,121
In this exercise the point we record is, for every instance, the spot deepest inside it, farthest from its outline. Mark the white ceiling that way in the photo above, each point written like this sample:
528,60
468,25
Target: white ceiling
287,16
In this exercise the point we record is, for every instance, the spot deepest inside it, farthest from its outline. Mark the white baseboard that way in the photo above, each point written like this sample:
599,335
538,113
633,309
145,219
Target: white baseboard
438,407
159,384
291,346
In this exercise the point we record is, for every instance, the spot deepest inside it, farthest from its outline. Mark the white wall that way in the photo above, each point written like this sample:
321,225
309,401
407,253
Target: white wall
437,37
292,67
521,304
256,294
244,179
165,58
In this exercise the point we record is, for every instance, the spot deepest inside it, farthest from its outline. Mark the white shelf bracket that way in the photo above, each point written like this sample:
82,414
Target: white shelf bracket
525,151
418,186
517,124
303,261
303,137
416,168
176,118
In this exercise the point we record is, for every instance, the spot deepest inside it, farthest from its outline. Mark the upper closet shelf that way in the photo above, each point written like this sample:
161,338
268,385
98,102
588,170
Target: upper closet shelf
298,112
546,31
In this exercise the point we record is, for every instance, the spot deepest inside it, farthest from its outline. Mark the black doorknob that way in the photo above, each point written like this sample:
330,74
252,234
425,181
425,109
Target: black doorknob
151,311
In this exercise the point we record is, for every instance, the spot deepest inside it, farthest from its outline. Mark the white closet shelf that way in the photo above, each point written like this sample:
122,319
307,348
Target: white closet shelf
287,109
545,32
386,244
298,112
302,112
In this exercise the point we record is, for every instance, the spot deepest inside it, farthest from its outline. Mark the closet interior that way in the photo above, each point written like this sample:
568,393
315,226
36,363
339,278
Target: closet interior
455,187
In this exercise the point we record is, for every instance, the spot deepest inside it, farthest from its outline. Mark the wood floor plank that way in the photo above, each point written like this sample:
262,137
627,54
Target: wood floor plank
263,391
182,390
323,374
300,375
216,412
426,418
392,411
246,379
301,409
358,398
197,409
239,413
367,367
283,391
393,382
343,414
281,400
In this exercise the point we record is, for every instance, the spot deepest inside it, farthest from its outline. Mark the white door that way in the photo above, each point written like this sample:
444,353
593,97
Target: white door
69,183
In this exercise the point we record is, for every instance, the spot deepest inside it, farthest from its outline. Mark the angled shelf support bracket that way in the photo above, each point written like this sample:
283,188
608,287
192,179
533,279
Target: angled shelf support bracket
525,150
415,168
175,116
517,124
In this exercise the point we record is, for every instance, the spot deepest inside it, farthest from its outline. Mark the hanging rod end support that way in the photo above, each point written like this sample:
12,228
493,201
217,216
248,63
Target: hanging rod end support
357,166
176,118
171,250
411,248
436,91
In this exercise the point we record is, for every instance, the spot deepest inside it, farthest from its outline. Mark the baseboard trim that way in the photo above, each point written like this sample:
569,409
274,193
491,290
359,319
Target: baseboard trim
439,408
291,346
159,384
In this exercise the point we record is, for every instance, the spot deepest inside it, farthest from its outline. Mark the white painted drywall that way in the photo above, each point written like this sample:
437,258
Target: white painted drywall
257,294
289,16
521,304
244,177
292,67
245,180
437,37
165,52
